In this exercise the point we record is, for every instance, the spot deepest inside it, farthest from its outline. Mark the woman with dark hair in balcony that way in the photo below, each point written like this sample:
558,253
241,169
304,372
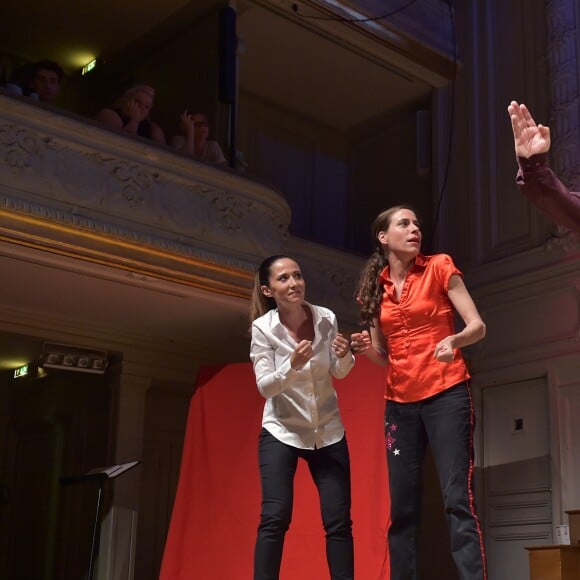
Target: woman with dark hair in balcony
408,300
194,139
296,350
130,114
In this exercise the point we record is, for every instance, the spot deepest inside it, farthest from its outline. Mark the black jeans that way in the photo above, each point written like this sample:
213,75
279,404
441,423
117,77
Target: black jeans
445,422
330,470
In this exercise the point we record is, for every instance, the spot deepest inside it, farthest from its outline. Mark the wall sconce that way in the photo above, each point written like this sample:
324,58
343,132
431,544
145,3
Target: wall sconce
73,358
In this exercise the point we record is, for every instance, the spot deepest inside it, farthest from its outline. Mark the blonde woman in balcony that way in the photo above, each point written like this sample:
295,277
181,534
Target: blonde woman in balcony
130,114
296,350
194,139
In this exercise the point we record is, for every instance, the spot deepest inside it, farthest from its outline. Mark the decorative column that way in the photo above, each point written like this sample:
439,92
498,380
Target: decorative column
563,44
116,558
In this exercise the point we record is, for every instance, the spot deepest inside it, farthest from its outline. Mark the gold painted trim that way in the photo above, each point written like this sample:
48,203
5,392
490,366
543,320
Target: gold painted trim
205,280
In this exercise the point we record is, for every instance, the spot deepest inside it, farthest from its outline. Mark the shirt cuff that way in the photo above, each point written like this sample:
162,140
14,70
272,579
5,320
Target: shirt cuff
346,362
285,371
535,164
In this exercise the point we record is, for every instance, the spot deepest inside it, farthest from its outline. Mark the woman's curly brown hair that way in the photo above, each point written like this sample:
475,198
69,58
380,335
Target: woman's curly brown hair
369,293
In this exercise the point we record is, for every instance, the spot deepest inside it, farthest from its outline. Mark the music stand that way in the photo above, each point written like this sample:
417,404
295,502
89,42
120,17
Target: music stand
99,475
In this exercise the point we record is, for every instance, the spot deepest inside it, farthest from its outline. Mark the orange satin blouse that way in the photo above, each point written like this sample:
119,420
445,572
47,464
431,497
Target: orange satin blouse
414,325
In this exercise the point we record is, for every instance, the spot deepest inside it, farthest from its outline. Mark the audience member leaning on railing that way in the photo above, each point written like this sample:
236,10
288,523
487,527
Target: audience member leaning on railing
130,114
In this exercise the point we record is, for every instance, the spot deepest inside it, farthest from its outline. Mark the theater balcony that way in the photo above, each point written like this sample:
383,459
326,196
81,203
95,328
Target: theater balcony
72,192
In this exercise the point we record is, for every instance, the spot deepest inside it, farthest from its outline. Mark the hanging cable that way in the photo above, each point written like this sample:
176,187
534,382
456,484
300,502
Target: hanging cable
451,127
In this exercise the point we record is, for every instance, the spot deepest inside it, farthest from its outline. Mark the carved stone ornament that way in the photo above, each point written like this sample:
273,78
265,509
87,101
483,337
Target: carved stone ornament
18,146
150,199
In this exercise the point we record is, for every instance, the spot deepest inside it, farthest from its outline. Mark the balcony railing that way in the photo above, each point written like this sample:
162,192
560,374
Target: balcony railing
71,187
68,185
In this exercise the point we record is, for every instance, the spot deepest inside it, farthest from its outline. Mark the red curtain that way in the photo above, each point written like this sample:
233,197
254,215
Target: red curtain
217,505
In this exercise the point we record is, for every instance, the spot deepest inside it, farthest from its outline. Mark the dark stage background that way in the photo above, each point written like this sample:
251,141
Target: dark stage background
217,505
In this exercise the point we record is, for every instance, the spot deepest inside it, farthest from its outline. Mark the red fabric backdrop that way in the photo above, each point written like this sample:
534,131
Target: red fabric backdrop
216,511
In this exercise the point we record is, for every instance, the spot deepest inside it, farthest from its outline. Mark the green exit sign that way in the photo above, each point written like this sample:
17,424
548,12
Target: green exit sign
88,67
22,371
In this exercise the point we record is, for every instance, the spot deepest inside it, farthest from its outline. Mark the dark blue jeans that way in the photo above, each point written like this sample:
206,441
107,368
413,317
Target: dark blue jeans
330,470
445,422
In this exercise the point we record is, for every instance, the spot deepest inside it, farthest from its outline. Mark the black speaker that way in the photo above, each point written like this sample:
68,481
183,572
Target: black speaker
227,55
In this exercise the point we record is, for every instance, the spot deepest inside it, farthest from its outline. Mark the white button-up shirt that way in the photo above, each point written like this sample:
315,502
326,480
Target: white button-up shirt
301,407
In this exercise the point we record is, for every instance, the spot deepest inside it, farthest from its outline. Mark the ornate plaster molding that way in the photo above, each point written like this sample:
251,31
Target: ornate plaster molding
83,177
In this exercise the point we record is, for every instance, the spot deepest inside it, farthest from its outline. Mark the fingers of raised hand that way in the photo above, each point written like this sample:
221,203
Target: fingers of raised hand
340,346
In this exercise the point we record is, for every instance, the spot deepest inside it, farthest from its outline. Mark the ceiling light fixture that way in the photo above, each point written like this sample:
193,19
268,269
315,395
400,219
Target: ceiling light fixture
73,358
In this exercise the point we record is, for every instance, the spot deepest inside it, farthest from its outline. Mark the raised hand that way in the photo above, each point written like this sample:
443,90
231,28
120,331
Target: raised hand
529,138
135,111
187,123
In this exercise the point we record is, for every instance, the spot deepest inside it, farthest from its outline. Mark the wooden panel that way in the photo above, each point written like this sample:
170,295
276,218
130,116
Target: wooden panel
518,502
569,433
554,563
525,319
507,558
516,434
519,508
574,524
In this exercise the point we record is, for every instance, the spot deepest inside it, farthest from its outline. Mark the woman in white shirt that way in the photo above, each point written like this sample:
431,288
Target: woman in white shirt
296,350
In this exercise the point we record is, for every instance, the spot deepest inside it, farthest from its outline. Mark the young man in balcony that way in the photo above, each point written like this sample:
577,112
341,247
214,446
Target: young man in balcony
46,81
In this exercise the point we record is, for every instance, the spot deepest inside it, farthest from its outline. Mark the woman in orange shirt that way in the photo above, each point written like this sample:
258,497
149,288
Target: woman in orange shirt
408,301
